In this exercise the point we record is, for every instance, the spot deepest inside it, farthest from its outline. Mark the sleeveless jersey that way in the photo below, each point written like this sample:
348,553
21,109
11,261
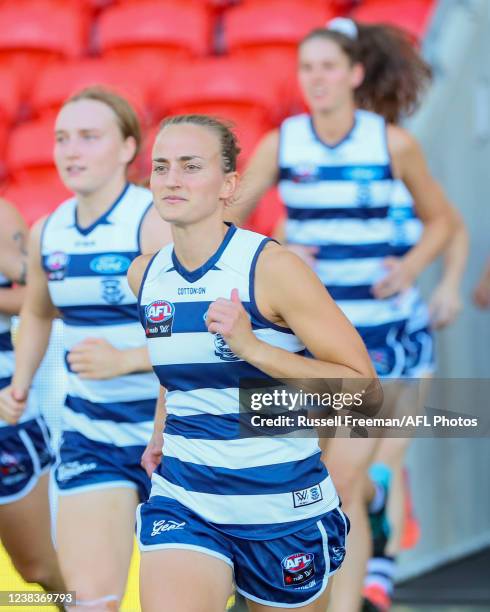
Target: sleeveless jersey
7,361
86,270
243,485
407,230
338,199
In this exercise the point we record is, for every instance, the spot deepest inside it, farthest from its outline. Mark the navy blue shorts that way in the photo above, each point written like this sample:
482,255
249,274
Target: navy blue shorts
25,454
289,571
384,344
85,464
419,353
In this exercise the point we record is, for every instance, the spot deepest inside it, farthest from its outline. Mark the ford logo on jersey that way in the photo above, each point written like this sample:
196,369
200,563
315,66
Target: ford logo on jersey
298,568
364,173
159,319
110,264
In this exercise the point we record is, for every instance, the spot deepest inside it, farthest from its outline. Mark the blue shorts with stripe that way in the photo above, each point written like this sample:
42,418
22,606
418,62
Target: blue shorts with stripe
85,464
419,352
384,344
25,454
288,571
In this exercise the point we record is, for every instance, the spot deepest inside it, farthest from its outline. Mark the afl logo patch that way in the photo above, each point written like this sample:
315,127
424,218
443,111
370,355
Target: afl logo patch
56,264
298,569
159,317
304,173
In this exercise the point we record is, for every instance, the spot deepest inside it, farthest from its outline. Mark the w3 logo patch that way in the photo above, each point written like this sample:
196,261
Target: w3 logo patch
306,497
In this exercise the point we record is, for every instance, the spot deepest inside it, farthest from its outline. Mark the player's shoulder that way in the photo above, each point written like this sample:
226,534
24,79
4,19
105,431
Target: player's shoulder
136,271
400,140
277,263
10,217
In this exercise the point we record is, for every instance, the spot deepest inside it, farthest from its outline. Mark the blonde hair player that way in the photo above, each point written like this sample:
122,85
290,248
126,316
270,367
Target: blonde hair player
78,260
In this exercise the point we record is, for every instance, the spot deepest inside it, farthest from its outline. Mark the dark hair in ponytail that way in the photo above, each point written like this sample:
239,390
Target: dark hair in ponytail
396,75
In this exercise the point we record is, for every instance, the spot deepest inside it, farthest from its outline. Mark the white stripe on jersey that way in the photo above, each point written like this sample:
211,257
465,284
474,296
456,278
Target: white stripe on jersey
336,231
107,432
247,509
242,452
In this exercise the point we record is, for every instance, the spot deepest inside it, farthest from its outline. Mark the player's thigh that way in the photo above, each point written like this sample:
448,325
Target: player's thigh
347,459
95,532
25,527
184,581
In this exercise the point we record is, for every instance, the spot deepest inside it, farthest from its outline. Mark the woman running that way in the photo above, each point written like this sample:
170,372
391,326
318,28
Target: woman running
336,168
25,455
418,344
78,260
218,305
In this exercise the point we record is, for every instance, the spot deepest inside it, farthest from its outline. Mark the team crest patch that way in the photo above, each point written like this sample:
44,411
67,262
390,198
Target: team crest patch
299,569
112,292
222,350
159,319
56,264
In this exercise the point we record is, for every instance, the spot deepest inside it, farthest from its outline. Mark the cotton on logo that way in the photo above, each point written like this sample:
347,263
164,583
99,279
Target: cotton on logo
159,311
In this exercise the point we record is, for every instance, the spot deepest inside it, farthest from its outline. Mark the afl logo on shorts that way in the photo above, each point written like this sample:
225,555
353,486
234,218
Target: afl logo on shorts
298,568
159,319
55,264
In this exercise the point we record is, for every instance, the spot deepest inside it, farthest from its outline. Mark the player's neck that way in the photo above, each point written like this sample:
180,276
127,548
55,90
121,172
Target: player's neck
196,243
91,206
332,126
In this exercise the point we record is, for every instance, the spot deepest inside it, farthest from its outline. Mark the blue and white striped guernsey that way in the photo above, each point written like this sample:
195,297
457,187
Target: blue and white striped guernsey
7,361
86,270
338,199
257,486
407,230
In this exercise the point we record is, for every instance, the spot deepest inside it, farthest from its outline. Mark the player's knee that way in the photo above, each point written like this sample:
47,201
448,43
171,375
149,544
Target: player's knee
347,484
35,571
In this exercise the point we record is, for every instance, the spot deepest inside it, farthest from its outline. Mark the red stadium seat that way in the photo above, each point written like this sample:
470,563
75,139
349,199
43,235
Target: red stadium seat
219,81
9,103
226,87
30,150
276,23
152,35
36,200
269,213
35,32
411,15
59,81
268,34
34,185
